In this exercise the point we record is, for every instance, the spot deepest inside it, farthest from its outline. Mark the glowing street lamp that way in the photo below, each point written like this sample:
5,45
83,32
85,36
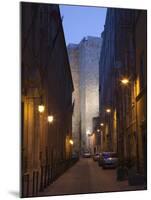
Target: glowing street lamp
88,132
41,108
102,124
98,130
108,110
125,81
50,119
71,142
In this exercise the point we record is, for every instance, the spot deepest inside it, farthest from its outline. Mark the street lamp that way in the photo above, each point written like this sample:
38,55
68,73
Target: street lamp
50,119
88,132
125,81
108,110
98,130
41,108
71,142
102,124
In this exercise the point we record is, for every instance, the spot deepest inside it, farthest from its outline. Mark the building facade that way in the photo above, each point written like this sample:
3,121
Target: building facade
73,53
123,57
141,87
46,91
86,55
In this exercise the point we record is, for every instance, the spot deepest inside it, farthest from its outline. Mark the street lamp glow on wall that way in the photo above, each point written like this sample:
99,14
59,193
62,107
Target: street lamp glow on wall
50,119
41,108
125,81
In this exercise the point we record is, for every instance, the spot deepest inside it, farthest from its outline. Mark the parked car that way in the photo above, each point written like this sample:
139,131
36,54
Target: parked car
96,156
109,160
86,154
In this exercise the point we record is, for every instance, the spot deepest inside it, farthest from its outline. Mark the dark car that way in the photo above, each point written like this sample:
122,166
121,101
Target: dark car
108,160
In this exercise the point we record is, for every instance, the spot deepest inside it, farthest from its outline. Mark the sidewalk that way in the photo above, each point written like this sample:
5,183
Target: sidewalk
87,177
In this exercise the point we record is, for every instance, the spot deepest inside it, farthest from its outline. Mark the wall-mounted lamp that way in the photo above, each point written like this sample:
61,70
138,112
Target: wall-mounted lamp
102,124
41,108
88,132
50,118
125,81
71,142
108,110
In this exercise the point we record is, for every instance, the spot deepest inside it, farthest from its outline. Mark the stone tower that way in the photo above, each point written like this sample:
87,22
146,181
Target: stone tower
84,62
73,52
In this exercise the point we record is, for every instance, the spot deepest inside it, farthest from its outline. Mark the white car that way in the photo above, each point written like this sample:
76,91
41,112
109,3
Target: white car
86,154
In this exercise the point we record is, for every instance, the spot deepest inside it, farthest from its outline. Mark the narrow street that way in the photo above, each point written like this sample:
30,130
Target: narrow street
87,177
82,93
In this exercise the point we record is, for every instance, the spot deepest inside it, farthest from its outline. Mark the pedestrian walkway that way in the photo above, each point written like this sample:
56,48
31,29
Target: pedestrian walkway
87,177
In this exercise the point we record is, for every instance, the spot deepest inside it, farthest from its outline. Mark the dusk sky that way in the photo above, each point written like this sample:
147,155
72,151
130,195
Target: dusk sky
82,21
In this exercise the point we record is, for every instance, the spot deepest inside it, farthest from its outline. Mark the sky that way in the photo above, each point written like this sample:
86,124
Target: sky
82,21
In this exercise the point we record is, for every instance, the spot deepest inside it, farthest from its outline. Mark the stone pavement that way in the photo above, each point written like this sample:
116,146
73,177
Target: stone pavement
87,177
